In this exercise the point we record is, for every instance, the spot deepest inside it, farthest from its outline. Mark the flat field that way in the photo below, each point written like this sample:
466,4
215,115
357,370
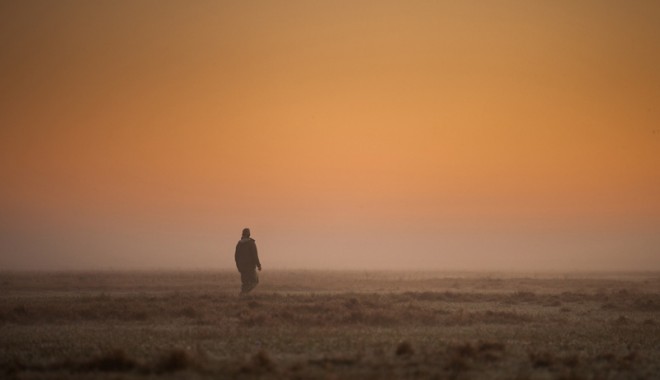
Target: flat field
324,324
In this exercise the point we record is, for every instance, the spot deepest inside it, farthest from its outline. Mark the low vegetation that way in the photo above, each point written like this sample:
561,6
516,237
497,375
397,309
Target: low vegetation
310,324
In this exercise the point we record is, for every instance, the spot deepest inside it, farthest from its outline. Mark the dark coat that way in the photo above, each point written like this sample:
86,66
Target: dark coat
246,255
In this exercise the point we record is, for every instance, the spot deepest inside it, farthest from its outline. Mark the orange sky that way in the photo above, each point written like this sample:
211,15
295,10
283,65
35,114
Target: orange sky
348,134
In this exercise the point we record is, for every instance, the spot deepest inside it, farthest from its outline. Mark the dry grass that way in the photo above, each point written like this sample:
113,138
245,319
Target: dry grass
324,324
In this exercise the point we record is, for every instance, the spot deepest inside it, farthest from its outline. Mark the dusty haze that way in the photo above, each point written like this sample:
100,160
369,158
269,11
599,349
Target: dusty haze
514,135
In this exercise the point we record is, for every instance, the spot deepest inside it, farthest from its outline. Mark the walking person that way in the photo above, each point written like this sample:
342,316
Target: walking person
247,262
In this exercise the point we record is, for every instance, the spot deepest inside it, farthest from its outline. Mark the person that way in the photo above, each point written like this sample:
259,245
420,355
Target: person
247,261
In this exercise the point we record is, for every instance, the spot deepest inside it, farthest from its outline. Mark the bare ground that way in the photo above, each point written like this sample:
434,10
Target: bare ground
316,324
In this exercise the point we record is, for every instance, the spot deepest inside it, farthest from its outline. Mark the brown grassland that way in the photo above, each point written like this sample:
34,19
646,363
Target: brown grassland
325,324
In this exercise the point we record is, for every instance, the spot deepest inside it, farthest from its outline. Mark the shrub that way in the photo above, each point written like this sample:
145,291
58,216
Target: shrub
404,349
113,361
175,360
260,362
541,360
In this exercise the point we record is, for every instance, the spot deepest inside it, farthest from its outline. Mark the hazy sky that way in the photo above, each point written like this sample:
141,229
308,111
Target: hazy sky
501,135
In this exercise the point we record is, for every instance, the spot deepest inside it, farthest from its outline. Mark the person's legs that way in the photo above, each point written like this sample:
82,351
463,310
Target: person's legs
245,282
249,281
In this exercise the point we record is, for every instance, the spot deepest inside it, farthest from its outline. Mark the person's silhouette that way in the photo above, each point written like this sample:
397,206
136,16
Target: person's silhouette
247,261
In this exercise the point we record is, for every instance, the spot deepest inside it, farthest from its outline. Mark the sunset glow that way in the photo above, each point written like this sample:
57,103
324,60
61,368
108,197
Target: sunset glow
513,135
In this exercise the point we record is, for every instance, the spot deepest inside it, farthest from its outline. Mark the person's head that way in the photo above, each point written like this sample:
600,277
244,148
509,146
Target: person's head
246,233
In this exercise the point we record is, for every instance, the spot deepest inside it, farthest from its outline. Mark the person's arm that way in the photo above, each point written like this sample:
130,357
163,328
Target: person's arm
256,257
236,258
